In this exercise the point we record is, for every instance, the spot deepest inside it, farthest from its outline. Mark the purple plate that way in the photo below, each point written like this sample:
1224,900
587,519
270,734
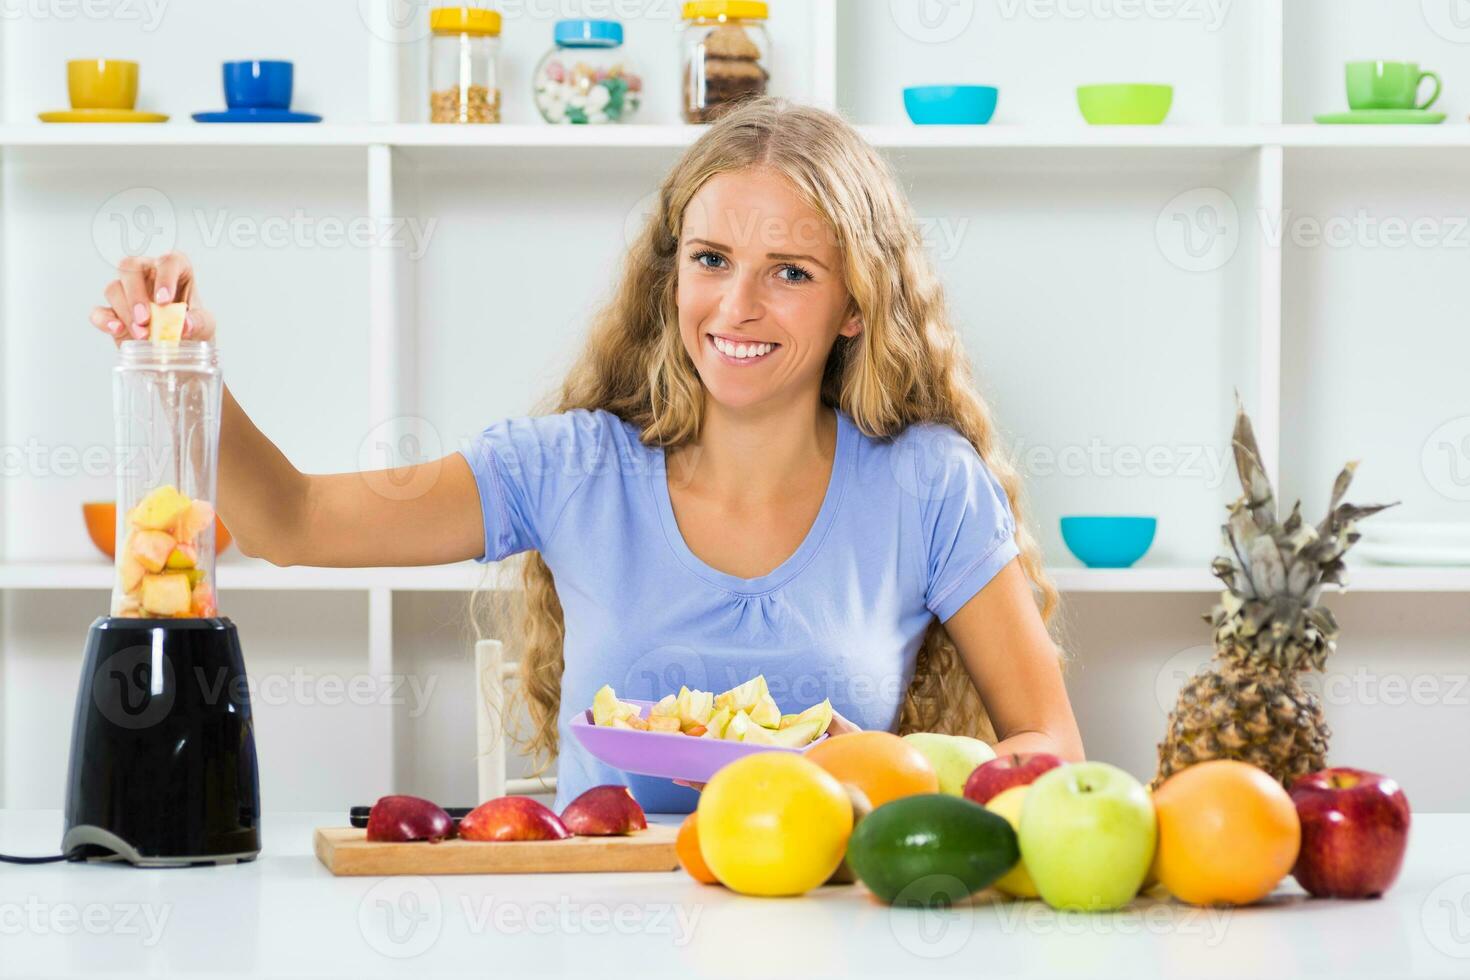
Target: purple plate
665,754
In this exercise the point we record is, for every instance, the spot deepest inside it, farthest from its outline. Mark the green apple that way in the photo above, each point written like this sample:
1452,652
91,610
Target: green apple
1087,836
953,757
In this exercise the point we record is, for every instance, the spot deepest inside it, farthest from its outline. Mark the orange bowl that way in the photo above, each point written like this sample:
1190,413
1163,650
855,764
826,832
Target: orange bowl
101,518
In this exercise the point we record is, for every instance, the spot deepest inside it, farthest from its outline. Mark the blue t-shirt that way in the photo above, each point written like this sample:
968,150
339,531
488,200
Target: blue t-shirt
911,527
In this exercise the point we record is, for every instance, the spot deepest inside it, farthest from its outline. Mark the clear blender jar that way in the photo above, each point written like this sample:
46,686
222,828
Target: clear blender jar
166,407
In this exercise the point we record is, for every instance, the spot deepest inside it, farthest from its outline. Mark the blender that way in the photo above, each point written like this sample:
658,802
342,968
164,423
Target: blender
163,766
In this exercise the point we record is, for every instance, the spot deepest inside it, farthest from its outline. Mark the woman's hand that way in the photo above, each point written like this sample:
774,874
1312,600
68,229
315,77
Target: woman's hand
166,279
839,726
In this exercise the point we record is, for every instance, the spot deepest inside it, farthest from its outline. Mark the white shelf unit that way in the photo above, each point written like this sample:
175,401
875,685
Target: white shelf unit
1070,252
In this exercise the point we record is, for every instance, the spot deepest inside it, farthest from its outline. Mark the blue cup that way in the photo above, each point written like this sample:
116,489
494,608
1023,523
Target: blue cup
258,84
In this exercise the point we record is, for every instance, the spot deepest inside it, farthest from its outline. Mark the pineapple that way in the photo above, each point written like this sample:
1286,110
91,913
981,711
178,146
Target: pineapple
1248,703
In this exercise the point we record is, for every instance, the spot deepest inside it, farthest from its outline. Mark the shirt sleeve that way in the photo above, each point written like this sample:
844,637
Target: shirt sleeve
527,468
966,516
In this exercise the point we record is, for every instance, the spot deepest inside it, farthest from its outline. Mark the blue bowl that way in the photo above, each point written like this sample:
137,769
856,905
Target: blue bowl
258,84
929,105
1108,542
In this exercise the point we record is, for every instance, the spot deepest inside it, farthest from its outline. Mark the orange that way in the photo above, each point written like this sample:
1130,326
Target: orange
881,764
1228,833
773,824
686,847
101,518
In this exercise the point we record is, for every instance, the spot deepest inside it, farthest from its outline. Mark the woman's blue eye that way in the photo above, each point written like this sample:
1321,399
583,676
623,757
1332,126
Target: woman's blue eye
715,258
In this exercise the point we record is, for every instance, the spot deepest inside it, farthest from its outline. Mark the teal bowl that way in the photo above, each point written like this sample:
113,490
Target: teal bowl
1125,105
949,105
1108,542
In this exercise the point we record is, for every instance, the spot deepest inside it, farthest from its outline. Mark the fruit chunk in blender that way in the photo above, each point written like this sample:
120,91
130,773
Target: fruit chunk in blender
158,569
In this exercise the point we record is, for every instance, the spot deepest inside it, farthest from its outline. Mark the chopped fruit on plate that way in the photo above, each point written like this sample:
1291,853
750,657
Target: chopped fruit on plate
745,713
166,323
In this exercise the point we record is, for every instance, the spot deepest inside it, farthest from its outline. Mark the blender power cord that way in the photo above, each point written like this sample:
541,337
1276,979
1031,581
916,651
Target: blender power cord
75,855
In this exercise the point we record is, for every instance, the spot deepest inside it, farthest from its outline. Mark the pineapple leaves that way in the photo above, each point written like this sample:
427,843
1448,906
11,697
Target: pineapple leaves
1274,571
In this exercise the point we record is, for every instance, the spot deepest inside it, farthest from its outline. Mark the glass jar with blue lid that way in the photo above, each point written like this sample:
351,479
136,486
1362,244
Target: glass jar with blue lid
587,78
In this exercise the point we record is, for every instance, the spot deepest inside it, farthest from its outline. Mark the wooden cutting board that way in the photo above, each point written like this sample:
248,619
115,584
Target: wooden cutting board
346,851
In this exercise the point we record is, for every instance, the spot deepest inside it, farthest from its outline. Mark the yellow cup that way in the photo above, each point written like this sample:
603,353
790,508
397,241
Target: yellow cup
102,83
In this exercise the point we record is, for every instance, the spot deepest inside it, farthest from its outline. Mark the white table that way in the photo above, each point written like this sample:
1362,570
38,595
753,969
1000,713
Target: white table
285,915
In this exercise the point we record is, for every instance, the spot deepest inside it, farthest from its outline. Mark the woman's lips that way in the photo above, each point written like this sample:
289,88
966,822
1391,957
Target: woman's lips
739,361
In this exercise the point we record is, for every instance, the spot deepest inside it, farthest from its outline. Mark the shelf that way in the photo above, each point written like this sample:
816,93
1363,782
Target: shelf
262,576
540,136
468,576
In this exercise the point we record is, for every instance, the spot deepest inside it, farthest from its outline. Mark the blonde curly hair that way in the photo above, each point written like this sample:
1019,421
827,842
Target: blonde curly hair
907,365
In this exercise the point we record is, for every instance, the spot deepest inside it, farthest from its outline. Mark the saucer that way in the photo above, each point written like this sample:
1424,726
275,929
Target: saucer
256,116
1359,116
102,116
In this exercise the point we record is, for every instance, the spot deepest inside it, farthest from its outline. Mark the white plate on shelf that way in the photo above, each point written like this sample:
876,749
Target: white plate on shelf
1428,534
1388,553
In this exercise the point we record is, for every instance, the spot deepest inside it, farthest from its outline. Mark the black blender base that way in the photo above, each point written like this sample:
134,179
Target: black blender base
99,846
163,767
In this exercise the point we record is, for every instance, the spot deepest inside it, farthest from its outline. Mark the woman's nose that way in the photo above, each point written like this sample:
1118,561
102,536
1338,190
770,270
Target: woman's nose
742,298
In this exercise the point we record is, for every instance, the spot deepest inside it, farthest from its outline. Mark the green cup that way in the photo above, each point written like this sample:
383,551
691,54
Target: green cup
1388,85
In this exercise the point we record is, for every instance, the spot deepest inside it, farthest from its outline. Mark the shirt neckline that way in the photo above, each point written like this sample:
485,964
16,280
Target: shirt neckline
797,560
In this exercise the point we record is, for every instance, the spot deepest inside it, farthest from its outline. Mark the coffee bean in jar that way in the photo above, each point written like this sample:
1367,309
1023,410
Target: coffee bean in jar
725,54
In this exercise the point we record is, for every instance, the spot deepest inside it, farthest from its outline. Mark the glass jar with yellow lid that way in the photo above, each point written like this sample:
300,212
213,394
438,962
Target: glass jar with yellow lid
464,50
725,53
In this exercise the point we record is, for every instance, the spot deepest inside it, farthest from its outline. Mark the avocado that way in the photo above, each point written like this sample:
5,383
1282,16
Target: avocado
931,850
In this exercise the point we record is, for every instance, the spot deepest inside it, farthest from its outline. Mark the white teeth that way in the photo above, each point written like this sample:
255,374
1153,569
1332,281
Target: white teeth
742,350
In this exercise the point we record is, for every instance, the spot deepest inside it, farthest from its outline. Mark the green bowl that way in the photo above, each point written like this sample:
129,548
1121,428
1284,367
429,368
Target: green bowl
1125,104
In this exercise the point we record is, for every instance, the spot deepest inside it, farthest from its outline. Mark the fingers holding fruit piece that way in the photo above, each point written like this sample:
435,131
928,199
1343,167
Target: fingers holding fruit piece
124,312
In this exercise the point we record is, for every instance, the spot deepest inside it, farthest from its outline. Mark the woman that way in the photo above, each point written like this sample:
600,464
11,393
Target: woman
770,458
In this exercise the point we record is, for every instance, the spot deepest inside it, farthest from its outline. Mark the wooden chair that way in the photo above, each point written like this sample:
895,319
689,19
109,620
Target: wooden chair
492,672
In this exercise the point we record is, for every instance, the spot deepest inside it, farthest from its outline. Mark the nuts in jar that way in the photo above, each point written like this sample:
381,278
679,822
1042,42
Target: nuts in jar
475,104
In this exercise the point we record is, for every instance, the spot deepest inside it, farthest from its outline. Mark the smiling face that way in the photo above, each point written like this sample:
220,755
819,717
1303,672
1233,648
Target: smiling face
761,293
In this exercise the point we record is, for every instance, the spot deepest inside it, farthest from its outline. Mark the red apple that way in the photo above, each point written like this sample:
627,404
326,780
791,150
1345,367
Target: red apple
405,818
1355,829
604,811
512,818
992,778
